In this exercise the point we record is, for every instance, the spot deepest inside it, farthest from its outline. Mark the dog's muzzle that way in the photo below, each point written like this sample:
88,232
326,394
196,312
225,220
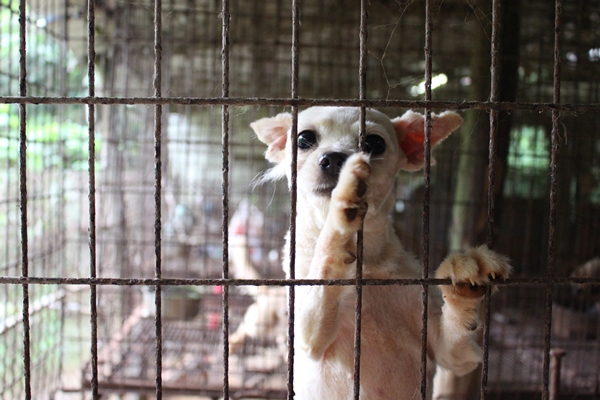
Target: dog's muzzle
330,164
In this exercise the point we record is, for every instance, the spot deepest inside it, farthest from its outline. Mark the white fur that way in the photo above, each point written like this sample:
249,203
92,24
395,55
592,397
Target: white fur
326,249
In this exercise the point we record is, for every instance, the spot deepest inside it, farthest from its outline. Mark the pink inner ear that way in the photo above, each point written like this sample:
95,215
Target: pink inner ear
411,132
270,129
412,146
275,152
279,143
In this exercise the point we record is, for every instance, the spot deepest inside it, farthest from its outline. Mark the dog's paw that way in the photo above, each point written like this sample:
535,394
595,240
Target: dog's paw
348,200
470,272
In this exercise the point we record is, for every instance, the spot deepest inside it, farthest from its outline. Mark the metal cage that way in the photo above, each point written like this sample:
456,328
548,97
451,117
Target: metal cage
133,241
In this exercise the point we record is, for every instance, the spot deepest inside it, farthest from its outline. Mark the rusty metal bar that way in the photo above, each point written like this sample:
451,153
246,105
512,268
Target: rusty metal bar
157,83
426,195
292,281
555,137
306,102
517,281
23,194
494,94
91,53
225,188
362,88
293,196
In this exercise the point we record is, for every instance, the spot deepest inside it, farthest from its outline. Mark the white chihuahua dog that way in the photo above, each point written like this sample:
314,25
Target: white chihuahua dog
339,188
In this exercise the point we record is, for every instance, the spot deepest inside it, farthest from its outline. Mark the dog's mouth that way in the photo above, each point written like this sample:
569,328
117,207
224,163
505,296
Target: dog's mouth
324,190
325,185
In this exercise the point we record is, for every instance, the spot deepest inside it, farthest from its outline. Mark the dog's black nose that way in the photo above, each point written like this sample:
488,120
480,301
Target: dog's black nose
331,163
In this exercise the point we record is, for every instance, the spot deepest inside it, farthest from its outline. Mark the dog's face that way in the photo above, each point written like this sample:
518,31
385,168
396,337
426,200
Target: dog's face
328,135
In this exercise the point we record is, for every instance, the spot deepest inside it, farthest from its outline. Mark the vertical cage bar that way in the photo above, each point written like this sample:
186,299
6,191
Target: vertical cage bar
225,189
293,197
362,88
91,50
64,37
426,197
23,194
157,82
553,198
494,90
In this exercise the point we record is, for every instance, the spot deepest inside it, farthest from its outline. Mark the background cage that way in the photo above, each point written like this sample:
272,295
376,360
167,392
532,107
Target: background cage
124,134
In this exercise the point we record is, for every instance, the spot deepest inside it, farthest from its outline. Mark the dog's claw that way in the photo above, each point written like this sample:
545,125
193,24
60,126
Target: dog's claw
477,267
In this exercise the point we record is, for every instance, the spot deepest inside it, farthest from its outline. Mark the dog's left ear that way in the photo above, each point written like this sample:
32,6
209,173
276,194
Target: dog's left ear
273,132
410,130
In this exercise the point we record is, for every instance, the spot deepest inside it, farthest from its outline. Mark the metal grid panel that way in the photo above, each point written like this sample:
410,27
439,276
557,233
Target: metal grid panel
130,90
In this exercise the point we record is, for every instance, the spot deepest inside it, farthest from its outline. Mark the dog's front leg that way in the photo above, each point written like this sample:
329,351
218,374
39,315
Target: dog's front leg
334,258
456,348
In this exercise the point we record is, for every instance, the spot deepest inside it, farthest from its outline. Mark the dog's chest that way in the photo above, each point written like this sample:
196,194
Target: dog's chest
390,342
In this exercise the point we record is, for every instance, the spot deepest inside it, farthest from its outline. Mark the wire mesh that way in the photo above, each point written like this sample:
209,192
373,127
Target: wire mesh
118,191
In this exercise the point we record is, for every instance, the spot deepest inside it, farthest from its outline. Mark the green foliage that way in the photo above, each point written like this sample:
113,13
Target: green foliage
51,66
56,134
529,149
50,143
57,144
528,163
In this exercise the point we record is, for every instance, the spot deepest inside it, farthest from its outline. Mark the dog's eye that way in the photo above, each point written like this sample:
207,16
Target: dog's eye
306,140
374,145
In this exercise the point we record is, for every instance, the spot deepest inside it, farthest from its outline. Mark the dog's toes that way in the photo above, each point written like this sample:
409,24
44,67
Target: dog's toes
470,273
472,270
348,202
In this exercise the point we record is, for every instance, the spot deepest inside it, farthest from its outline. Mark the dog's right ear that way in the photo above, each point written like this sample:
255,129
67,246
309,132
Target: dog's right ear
410,129
273,132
